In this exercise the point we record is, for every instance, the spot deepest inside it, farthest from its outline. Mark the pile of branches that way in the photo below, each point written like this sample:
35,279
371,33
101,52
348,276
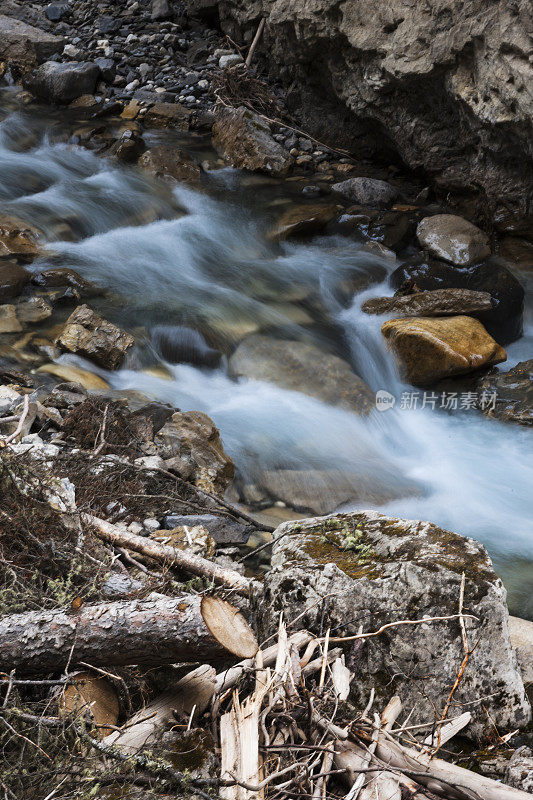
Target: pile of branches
237,86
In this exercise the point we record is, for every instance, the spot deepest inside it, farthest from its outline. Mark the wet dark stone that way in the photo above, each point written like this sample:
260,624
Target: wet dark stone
56,11
107,68
504,321
13,279
107,24
179,344
224,530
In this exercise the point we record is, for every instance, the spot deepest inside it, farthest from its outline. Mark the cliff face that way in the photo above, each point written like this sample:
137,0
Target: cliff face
445,84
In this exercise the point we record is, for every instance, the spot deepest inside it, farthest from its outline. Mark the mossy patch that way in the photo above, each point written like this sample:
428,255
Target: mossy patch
346,545
190,750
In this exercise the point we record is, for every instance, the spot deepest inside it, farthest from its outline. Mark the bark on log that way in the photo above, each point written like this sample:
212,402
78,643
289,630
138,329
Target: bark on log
190,562
158,630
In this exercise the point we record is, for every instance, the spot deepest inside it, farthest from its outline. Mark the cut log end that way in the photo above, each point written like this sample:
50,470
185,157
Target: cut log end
228,626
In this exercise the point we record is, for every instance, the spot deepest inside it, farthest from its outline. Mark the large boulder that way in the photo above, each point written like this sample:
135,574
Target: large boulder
170,163
431,348
453,239
443,88
503,321
25,45
190,444
367,191
304,368
87,334
435,303
61,83
509,395
244,140
13,279
366,569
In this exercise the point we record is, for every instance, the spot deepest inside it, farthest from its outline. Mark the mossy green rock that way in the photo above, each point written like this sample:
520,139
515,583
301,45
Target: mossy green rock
366,569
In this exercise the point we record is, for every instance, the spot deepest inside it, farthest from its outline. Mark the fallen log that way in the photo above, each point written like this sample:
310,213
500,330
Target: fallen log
158,630
119,537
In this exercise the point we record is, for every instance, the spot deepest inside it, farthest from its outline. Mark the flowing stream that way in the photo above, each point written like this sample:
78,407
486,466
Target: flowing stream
203,258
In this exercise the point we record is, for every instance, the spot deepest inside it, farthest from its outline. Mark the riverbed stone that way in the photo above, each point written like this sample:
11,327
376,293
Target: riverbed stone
61,277
190,444
304,220
434,303
365,568
431,348
367,191
87,334
503,321
75,375
171,163
302,367
453,239
13,279
60,83
168,115
513,393
26,45
34,309
9,322
244,140
18,238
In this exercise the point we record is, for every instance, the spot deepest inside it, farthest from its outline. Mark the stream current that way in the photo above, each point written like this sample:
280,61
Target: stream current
204,259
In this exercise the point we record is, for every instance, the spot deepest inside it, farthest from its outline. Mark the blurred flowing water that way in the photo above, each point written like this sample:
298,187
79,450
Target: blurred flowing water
204,259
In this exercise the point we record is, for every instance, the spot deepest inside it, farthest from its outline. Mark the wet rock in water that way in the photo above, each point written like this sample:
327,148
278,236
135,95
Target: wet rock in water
60,83
87,334
304,368
431,348
367,191
434,303
129,147
304,220
224,530
18,238
25,45
453,239
74,375
191,445
374,569
34,309
63,277
168,115
513,393
179,344
9,322
170,163
244,140
504,321
13,279
321,491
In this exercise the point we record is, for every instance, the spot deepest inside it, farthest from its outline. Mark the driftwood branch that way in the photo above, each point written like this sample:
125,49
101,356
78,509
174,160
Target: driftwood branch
119,537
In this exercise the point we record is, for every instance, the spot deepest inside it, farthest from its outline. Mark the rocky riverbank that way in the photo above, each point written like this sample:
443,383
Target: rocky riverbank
109,497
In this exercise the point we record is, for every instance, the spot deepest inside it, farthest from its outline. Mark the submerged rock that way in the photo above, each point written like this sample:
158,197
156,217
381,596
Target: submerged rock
433,303
367,191
191,445
34,309
304,220
61,83
513,392
431,348
453,239
179,344
368,569
304,368
170,163
503,321
9,322
74,375
244,140
13,279
89,335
